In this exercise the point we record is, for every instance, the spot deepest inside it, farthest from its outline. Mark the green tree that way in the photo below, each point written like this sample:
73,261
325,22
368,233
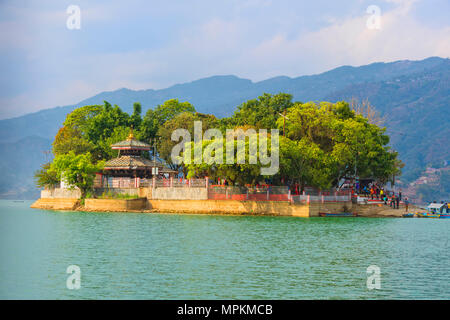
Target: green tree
303,162
77,170
73,135
46,177
262,112
186,121
170,109
79,118
248,172
348,141
149,126
135,119
101,127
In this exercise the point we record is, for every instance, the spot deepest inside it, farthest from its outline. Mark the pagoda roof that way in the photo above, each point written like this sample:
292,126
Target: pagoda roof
135,162
131,144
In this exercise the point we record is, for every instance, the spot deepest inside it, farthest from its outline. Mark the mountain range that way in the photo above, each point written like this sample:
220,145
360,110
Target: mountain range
413,97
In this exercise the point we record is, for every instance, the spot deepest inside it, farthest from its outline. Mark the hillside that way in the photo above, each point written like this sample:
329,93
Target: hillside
18,163
414,96
416,108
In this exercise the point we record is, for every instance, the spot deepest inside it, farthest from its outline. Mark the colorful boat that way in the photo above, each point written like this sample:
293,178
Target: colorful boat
427,215
436,210
408,215
339,214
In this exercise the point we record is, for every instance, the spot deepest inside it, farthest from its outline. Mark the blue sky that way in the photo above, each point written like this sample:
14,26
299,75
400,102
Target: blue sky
155,44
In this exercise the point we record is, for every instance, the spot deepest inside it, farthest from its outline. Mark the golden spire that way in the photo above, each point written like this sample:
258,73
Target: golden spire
131,136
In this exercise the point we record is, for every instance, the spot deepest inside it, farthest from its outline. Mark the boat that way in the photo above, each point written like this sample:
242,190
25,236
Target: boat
408,215
444,211
436,210
427,215
339,214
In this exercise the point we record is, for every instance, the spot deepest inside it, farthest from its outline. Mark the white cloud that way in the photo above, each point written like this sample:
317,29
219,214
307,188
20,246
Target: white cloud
351,42
255,46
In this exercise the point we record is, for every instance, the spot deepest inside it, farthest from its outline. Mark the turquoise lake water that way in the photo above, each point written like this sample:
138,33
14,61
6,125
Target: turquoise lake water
171,256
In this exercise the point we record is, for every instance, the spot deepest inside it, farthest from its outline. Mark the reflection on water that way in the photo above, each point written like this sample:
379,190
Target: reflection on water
163,256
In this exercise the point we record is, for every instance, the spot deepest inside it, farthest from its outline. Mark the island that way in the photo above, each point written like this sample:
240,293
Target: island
287,159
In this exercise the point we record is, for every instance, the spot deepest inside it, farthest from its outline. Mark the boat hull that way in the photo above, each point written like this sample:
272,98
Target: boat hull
408,215
340,214
428,215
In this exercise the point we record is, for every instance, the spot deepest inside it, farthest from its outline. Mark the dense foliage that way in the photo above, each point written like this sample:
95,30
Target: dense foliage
320,143
323,143
77,170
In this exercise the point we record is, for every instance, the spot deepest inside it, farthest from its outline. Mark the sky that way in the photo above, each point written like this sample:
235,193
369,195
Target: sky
155,44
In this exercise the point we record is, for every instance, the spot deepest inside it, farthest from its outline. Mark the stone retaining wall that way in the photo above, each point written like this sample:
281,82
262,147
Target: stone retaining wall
276,208
329,207
56,204
115,204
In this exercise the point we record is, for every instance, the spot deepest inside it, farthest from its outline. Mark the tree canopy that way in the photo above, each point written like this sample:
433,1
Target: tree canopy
77,170
321,142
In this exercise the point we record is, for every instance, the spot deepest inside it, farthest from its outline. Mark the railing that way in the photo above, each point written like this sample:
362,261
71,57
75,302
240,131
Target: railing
266,193
126,182
180,183
307,198
274,193
241,193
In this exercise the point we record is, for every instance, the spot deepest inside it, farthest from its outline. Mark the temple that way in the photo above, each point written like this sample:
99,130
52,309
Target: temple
130,168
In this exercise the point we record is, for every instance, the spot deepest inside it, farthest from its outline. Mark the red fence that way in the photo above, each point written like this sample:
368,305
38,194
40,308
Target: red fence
274,193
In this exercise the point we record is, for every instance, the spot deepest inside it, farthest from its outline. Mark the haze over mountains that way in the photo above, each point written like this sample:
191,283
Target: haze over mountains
414,96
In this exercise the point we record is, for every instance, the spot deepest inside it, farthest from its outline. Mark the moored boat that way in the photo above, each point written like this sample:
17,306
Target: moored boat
427,215
339,214
408,215
436,210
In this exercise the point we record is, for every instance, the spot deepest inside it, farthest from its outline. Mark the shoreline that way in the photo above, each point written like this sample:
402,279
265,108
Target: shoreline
220,207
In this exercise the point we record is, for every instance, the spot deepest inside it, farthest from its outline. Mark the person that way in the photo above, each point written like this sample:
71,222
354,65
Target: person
392,203
400,194
406,204
385,199
397,200
372,192
381,194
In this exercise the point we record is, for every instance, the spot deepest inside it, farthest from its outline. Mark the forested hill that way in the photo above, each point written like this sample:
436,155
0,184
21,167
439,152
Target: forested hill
416,108
413,95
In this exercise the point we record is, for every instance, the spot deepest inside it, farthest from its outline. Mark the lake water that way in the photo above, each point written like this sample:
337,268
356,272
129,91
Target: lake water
171,256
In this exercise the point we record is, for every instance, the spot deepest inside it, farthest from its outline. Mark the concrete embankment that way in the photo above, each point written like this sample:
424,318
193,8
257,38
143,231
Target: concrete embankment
118,205
232,207
56,203
195,200
274,208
